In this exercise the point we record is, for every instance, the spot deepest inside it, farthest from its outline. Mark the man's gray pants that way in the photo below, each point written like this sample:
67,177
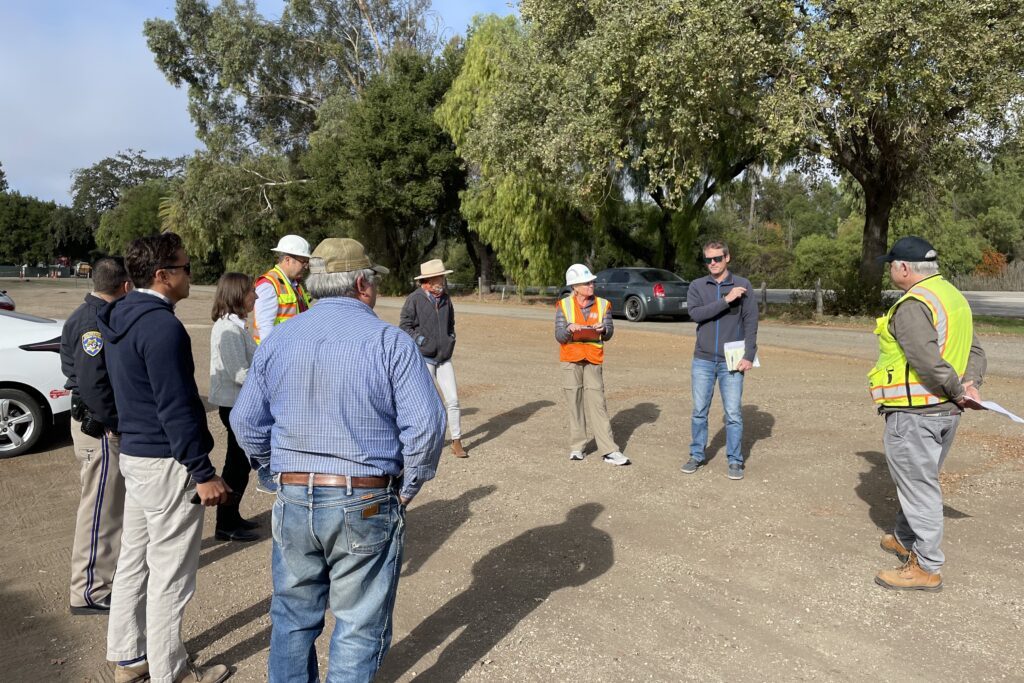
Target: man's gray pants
915,448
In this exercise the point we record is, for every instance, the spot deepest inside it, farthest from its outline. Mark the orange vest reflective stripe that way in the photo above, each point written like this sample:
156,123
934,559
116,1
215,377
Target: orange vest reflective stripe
290,302
577,351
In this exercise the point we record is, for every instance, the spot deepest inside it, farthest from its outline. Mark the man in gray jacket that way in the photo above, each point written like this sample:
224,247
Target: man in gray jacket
724,311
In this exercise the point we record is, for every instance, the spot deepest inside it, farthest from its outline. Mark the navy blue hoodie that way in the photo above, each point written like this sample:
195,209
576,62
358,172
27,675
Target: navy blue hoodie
149,360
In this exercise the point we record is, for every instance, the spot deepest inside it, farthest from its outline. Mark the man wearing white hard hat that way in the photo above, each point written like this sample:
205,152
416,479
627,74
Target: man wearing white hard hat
279,292
583,323
429,318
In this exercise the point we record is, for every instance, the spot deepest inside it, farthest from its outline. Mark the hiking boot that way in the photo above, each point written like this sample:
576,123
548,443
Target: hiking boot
891,544
691,465
215,673
616,458
735,471
909,577
457,450
132,673
237,534
576,455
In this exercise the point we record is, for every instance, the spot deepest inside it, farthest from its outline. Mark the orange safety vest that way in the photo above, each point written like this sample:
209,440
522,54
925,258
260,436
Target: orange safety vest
290,302
577,351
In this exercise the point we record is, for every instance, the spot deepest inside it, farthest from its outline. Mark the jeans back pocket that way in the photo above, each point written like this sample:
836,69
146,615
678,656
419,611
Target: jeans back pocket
369,526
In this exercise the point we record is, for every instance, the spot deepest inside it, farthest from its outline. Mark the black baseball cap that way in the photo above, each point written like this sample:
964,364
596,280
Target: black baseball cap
913,249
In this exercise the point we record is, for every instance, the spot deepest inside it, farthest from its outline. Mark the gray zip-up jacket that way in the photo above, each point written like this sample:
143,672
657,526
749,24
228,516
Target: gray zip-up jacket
718,321
430,321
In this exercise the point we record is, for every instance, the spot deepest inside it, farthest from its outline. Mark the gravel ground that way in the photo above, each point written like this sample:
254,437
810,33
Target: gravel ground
521,565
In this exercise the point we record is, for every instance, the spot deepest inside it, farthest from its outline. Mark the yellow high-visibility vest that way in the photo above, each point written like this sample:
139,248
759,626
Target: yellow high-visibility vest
892,381
290,301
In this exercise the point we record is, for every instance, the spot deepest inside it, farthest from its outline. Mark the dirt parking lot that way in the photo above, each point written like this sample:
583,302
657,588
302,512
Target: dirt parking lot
523,566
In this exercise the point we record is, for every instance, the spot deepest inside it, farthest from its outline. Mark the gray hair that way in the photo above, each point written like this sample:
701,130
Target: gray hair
328,285
922,267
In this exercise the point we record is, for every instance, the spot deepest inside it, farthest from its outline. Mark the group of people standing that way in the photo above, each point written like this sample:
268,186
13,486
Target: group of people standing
341,413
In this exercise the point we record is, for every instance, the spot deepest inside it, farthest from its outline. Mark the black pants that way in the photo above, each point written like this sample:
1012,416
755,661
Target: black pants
235,474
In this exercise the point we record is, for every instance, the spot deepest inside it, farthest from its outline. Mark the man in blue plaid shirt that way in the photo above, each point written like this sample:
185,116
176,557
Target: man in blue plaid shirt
339,404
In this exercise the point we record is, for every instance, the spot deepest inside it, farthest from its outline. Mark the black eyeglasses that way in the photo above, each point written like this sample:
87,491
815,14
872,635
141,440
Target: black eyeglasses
714,259
186,266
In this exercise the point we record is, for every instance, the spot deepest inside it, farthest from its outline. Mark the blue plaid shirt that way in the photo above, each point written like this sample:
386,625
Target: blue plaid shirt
336,390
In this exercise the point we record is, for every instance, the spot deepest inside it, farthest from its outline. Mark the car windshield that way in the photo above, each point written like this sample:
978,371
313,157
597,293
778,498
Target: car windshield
656,275
25,317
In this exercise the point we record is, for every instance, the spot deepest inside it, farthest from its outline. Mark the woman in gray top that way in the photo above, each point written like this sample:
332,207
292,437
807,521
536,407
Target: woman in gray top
231,351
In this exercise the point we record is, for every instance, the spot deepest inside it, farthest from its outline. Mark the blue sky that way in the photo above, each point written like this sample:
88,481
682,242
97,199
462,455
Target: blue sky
77,84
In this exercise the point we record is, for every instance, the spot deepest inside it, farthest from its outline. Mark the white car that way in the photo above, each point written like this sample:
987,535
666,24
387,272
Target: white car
32,393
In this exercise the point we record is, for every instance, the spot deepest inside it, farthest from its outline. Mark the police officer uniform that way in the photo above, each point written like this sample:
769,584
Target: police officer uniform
97,541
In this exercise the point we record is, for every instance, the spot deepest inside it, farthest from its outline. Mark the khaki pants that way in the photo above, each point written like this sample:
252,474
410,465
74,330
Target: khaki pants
583,385
156,573
98,525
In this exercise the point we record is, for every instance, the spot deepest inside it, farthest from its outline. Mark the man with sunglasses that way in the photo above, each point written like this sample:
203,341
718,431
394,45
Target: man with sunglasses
165,460
724,311
279,292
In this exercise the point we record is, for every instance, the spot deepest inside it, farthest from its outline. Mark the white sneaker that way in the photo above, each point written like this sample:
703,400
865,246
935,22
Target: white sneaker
576,455
616,458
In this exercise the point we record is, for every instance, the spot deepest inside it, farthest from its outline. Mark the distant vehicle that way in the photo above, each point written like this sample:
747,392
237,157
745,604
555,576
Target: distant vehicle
83,269
32,394
639,293
6,302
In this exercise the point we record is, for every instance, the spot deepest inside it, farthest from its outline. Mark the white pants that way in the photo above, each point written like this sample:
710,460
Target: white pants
444,376
156,572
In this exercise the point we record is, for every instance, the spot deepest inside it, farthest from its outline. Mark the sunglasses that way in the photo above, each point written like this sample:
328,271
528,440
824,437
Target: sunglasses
186,266
714,259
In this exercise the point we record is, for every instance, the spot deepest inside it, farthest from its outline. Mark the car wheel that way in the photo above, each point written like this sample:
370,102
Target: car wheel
21,422
634,309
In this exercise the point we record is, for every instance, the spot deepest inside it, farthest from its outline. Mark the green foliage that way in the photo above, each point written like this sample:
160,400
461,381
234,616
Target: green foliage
384,168
137,214
833,260
960,248
892,91
24,225
100,187
258,82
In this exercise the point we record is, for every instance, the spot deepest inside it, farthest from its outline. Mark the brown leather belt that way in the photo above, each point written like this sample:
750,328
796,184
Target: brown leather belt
338,480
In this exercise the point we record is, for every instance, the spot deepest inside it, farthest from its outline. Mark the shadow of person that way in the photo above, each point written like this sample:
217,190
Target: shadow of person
431,524
757,425
499,424
877,489
236,621
626,421
508,584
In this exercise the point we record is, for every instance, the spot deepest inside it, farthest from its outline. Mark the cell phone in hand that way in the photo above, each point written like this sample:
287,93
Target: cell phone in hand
234,498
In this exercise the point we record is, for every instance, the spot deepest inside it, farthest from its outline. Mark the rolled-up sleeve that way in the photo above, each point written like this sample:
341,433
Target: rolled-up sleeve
420,416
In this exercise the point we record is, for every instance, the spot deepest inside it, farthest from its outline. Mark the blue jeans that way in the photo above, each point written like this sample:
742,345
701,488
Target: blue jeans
341,549
703,374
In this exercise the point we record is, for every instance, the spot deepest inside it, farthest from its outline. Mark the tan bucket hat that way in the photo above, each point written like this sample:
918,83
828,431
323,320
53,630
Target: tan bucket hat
432,268
341,255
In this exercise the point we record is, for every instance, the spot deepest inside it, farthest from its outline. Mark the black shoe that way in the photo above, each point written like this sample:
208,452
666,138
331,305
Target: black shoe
96,609
247,524
239,534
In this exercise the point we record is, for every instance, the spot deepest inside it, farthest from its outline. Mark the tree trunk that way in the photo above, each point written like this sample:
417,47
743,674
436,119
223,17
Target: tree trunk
666,242
879,200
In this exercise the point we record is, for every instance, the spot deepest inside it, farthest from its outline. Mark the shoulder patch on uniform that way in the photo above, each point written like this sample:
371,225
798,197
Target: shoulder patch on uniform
92,342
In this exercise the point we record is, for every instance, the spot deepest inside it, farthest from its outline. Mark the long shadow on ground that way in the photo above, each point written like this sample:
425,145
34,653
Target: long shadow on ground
499,424
627,421
508,584
430,525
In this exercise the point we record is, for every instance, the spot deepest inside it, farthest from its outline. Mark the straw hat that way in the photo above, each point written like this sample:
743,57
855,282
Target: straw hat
432,268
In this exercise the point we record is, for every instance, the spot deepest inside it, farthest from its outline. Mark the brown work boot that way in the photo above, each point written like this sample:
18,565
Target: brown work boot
457,450
133,673
909,577
215,673
891,544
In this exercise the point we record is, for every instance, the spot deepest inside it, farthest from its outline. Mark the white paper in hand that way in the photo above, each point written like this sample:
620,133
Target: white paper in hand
734,354
994,407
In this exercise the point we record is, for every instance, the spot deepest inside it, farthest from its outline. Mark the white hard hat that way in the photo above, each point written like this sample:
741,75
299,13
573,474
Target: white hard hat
293,245
578,274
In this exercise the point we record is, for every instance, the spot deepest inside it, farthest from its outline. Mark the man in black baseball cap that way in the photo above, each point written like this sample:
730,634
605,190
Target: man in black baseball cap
929,369
911,249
